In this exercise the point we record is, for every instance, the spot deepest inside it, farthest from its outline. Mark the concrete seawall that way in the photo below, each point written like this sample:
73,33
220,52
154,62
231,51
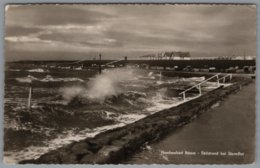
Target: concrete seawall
118,144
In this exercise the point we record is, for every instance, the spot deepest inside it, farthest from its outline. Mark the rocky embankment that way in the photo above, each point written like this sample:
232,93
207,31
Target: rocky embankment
118,144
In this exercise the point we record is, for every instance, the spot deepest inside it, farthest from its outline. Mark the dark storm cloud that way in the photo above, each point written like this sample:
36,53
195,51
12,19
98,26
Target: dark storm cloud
204,30
20,31
52,15
92,40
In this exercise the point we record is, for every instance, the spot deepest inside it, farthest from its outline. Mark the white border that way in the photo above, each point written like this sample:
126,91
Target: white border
2,63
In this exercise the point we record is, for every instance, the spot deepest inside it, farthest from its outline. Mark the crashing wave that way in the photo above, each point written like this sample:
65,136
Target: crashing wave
27,79
129,98
195,79
48,78
37,70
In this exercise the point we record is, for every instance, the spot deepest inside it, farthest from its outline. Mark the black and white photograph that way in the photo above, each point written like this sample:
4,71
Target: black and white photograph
129,84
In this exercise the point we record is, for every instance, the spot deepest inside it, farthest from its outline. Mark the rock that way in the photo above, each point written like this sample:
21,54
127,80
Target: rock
49,158
108,154
106,150
88,159
80,148
69,158
119,142
31,161
174,118
93,146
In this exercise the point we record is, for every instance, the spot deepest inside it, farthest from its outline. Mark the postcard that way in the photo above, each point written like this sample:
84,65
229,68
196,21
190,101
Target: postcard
129,84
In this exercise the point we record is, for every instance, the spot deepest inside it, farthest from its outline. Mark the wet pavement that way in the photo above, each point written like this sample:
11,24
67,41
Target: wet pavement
223,135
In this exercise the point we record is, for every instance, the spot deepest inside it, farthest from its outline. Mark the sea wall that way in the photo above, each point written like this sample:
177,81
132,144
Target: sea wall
119,144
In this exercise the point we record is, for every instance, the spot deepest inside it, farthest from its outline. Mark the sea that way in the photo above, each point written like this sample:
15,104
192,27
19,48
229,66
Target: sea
69,104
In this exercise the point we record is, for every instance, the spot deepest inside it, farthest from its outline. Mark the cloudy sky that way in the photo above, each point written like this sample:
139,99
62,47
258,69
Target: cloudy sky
40,32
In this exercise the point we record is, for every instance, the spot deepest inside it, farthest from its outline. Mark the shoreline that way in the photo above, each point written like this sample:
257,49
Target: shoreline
118,144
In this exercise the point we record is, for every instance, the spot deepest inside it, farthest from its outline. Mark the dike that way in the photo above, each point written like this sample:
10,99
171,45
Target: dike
114,146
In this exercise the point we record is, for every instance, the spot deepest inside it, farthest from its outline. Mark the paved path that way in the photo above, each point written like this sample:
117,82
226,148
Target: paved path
228,127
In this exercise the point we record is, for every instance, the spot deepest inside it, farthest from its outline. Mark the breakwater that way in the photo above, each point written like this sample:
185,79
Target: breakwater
118,144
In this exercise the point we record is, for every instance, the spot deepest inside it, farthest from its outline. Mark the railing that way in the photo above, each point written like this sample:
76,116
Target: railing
224,78
198,86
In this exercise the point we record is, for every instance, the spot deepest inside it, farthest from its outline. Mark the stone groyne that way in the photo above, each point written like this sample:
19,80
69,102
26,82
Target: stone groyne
115,145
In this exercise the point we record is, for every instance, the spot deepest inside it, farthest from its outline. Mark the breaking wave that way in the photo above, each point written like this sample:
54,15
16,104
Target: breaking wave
39,70
99,88
48,78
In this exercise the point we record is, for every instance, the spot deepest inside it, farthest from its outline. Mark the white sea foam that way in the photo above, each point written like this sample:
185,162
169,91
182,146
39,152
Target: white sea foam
48,78
130,118
150,74
34,152
37,70
68,137
27,79
195,78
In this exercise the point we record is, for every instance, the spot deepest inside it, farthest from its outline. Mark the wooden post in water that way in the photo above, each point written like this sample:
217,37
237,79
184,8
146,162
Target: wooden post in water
100,70
29,98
